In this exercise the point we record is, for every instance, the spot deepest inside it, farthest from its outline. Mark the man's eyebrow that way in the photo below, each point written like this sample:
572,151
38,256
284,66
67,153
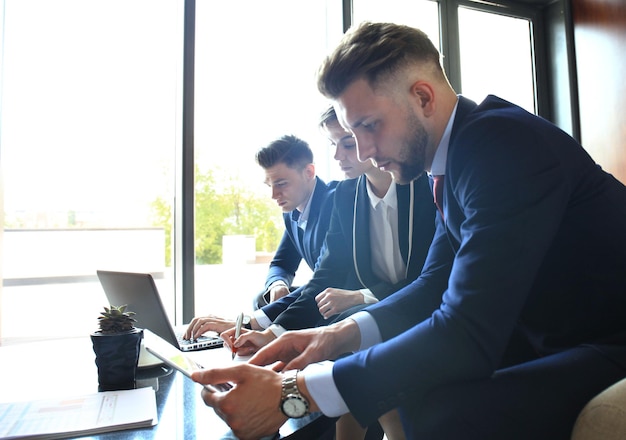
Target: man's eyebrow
357,123
275,182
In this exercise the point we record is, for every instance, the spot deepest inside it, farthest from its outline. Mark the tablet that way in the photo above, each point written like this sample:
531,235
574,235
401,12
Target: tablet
177,359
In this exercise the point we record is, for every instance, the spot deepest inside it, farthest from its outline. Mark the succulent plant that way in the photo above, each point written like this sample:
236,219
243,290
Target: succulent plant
116,320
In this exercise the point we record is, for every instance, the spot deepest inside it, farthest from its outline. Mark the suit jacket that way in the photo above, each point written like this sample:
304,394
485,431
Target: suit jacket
296,245
347,263
530,261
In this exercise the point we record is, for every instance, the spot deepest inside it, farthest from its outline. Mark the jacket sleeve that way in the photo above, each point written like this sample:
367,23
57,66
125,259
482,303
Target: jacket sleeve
285,263
334,265
275,308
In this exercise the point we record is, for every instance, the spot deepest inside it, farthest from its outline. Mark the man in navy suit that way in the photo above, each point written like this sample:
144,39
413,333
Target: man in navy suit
519,316
307,204
306,201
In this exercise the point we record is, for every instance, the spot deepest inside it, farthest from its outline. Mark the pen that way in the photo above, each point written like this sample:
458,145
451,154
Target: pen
238,325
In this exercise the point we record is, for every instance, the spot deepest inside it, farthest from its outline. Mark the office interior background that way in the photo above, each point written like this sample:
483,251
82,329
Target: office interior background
129,127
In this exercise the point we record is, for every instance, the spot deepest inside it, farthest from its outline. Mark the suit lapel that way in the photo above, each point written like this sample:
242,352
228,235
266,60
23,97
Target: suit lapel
361,225
402,194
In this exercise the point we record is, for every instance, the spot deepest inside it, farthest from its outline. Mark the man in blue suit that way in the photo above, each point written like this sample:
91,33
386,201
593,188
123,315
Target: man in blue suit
519,316
307,204
306,201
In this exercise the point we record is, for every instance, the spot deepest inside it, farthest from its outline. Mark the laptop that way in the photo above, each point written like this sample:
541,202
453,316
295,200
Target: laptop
139,292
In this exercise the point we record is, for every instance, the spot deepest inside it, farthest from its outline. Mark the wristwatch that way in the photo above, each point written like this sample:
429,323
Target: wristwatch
293,404
246,322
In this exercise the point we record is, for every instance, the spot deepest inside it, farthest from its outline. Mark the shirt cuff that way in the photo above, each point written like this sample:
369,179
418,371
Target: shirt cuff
276,283
321,386
277,329
370,334
262,319
368,296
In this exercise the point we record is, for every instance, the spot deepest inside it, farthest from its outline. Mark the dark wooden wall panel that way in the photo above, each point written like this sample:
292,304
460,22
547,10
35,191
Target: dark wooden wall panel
600,47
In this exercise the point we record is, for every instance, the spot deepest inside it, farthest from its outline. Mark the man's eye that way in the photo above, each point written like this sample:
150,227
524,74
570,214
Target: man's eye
369,126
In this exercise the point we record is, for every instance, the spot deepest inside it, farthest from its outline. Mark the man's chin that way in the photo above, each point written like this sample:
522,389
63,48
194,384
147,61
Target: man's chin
404,179
399,178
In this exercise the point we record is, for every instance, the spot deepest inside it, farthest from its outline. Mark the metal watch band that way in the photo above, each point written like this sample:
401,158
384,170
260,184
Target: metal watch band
293,404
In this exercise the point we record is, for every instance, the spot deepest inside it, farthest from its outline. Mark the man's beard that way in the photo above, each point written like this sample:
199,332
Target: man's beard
412,154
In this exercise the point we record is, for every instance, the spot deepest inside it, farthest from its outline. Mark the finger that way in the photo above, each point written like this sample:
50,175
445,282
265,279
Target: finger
277,366
228,335
246,350
298,362
267,355
217,375
249,342
209,398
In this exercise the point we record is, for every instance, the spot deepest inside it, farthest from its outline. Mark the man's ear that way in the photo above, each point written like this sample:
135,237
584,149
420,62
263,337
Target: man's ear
309,171
424,95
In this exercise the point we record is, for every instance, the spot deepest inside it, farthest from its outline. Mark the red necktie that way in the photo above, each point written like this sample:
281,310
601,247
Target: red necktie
438,193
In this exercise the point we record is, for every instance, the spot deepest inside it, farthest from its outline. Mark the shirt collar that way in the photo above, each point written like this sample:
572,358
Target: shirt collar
389,198
303,217
438,167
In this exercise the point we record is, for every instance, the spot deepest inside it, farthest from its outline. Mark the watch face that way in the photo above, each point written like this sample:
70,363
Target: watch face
294,407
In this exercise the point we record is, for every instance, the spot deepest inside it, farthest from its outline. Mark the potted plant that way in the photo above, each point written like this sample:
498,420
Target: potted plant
116,345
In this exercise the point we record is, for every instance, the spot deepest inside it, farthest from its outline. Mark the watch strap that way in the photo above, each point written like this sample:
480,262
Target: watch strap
290,391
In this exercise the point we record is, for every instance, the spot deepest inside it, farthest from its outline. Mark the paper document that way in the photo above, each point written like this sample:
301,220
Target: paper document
80,415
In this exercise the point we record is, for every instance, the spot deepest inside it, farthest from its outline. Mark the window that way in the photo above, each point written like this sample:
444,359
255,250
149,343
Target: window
90,129
496,57
422,14
88,138
255,82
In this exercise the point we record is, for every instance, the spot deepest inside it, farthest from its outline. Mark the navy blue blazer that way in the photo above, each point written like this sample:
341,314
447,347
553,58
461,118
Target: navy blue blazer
295,246
531,261
347,263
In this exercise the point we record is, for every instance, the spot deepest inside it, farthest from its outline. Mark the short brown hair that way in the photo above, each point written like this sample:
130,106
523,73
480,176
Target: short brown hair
289,149
372,51
328,117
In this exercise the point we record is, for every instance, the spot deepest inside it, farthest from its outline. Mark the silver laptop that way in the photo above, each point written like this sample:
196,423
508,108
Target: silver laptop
139,292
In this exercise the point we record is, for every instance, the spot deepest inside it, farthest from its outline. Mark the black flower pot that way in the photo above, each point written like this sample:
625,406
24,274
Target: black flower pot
116,357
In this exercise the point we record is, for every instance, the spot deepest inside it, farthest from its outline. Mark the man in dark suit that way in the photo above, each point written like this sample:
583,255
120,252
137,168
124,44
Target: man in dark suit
519,316
306,201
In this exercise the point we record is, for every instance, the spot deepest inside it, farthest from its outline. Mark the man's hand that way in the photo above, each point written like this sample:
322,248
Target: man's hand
297,349
278,291
252,407
333,301
249,342
202,324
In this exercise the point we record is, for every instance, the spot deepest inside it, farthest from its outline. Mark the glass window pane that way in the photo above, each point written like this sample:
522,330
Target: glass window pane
422,14
496,57
88,140
255,82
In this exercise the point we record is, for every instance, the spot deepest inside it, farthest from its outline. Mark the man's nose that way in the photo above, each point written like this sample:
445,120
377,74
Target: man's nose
365,147
275,192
